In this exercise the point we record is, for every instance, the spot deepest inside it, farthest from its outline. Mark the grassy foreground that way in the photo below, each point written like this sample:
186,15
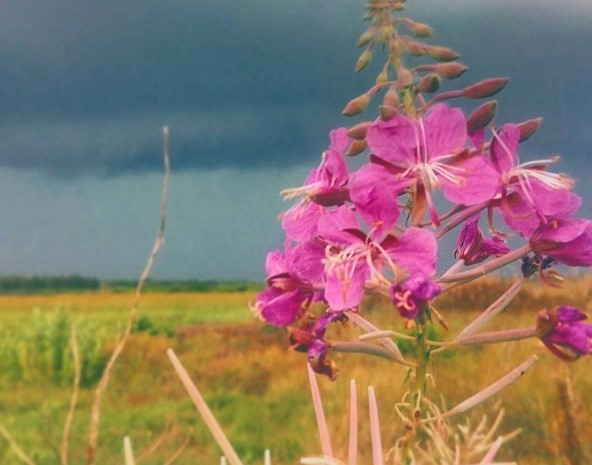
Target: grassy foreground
256,386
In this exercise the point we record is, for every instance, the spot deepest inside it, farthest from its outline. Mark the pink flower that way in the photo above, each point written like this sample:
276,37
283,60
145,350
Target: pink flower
473,248
564,328
542,194
431,153
568,241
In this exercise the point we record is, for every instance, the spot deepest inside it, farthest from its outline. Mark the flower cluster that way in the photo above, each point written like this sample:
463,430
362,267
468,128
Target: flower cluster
344,238
431,171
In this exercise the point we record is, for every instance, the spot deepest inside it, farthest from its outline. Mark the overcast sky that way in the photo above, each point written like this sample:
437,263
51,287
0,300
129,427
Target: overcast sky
250,90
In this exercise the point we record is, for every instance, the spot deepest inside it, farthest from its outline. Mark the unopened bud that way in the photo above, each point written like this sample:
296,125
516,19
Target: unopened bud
365,38
358,132
481,117
404,77
485,88
415,48
528,128
430,83
356,106
386,112
451,70
397,6
356,147
364,60
382,77
442,54
391,98
422,30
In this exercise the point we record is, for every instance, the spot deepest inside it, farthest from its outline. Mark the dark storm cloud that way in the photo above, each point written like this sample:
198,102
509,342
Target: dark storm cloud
86,86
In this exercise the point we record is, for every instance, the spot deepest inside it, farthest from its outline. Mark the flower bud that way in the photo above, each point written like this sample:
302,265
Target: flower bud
481,117
415,48
422,30
365,38
404,77
564,331
451,70
356,106
485,88
429,83
356,147
442,54
528,128
358,132
364,60
382,77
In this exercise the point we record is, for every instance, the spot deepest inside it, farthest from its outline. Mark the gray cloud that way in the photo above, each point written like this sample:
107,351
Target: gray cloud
85,87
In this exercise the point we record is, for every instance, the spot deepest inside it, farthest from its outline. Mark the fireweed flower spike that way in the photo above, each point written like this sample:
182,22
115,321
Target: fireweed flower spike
431,152
564,332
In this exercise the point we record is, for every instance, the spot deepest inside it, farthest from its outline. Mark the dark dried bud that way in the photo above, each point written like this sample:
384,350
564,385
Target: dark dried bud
364,60
429,83
357,105
356,147
528,128
451,70
485,88
481,117
358,132
442,54
422,30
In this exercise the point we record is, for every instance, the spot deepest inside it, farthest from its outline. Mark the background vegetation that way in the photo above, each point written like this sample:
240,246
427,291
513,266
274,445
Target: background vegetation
255,385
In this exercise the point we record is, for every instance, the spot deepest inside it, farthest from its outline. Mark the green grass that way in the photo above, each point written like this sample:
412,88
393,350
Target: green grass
256,387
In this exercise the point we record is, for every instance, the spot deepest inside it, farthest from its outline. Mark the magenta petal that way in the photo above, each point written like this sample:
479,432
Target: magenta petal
393,140
521,217
478,182
346,291
334,223
415,251
306,260
547,200
504,147
374,192
301,222
569,241
445,130
278,307
275,263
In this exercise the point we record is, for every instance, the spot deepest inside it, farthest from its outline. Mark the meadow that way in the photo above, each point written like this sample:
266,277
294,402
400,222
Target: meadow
256,386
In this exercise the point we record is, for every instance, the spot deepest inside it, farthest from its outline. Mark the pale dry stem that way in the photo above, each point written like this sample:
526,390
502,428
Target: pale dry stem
15,447
104,381
74,399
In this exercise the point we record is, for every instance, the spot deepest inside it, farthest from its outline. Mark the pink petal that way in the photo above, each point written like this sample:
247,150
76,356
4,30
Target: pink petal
343,292
415,251
333,226
445,130
301,222
504,148
479,182
393,140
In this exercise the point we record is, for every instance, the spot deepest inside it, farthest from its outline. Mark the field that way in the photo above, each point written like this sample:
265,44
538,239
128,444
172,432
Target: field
256,386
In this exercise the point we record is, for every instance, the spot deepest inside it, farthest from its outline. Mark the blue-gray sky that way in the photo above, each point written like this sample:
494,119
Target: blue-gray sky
250,90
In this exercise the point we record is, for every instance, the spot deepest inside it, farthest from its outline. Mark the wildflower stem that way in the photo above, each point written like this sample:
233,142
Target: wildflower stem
493,389
460,218
356,347
377,458
352,454
486,268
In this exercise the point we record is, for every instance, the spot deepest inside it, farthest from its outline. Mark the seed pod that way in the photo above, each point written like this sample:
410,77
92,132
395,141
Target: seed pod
528,128
485,88
430,83
356,106
451,70
481,117
364,60
358,132
442,54
356,147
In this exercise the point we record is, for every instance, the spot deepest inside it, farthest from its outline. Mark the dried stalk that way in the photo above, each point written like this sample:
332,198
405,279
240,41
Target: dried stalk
73,400
179,451
104,381
17,450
